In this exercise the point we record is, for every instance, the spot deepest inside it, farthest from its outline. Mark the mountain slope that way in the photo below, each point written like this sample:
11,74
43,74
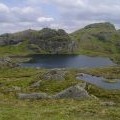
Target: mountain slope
47,40
98,37
94,39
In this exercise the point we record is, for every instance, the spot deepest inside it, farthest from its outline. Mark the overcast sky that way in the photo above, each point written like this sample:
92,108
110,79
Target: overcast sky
17,15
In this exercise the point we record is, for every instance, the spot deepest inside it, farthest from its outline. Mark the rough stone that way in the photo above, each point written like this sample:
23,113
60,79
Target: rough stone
7,62
74,92
16,88
36,84
48,40
55,75
108,103
80,74
32,96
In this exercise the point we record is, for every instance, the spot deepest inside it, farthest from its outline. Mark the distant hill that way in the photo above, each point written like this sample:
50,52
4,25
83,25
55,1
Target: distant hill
98,37
47,40
94,39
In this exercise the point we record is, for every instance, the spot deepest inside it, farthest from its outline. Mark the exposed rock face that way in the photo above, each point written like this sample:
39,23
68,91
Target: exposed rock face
43,41
33,96
54,74
75,92
9,39
54,42
7,62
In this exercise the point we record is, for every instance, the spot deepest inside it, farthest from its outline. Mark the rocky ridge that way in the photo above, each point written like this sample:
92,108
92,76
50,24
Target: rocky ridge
44,41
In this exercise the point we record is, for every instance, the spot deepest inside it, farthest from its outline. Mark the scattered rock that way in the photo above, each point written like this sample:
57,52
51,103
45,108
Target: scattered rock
11,89
94,97
7,90
16,88
7,62
36,84
75,92
108,103
80,74
32,96
82,85
55,74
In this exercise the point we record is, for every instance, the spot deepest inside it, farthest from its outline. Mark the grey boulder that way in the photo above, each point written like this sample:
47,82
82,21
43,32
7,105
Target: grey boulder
54,74
74,92
36,84
7,62
32,96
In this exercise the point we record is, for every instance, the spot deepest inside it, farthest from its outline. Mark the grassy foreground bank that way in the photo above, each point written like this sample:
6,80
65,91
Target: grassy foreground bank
65,109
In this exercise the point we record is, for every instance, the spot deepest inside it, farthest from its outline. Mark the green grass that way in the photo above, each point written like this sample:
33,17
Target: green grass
20,49
58,110
66,109
94,48
109,72
90,44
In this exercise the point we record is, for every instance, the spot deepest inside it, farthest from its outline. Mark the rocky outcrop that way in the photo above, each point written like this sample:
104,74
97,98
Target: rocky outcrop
7,62
9,39
32,96
108,103
36,84
44,41
55,74
74,92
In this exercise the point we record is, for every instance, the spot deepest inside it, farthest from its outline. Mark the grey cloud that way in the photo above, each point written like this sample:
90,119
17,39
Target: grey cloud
72,14
16,18
86,11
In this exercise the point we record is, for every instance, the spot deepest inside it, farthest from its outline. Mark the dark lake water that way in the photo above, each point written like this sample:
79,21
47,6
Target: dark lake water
67,61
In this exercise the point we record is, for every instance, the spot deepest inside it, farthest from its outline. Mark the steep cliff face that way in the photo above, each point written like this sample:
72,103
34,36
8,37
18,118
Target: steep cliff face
44,41
52,41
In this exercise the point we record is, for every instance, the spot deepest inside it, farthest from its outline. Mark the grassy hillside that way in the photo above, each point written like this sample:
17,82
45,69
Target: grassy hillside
95,39
65,109
101,37
98,39
19,49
